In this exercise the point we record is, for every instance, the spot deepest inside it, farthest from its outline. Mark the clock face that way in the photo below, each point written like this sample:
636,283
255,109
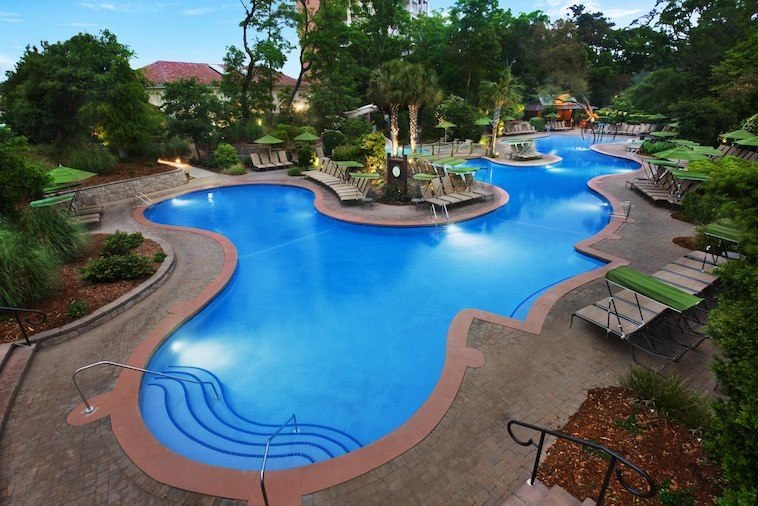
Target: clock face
396,170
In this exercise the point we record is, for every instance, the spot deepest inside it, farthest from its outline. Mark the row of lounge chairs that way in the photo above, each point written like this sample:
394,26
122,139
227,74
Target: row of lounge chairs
519,128
662,314
266,160
557,125
738,152
630,128
666,181
339,180
449,190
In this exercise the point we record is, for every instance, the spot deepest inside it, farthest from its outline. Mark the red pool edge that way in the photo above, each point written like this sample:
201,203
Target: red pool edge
288,486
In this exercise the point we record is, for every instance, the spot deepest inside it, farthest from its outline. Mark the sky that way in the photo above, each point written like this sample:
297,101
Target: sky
195,30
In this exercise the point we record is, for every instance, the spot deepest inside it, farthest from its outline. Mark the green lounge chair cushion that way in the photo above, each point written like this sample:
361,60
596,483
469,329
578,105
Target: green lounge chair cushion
723,232
689,176
652,288
49,201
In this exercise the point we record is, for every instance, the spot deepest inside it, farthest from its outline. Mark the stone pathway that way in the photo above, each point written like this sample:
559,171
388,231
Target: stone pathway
467,459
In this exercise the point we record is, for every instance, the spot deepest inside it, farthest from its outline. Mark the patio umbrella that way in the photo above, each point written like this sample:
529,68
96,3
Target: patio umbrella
268,139
445,124
681,153
306,137
751,141
707,150
66,175
483,121
737,135
684,142
658,117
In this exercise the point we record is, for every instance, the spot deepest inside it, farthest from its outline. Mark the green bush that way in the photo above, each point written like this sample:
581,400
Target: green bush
78,308
670,397
236,170
92,159
295,171
346,152
332,139
392,192
355,128
650,147
538,123
458,111
159,257
51,228
751,124
703,119
226,156
306,157
373,151
118,268
121,243
28,271
177,147
19,179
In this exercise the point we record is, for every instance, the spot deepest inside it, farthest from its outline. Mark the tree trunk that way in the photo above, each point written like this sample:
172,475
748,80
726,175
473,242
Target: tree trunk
245,89
413,127
394,129
495,121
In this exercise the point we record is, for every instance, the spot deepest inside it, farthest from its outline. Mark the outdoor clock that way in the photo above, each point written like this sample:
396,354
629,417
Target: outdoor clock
396,170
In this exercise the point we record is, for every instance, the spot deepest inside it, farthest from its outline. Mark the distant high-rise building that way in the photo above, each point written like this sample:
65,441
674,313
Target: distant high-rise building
417,7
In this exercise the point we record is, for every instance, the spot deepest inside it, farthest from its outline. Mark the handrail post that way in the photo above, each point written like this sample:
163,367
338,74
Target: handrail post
606,480
537,459
21,327
262,474
17,311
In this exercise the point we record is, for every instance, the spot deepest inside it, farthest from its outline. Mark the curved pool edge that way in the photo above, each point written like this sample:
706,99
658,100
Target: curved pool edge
288,486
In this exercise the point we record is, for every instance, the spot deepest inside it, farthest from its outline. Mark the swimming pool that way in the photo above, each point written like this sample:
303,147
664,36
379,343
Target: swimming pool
344,325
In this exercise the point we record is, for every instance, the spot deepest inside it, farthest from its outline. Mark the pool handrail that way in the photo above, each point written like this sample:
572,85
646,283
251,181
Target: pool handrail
89,408
262,476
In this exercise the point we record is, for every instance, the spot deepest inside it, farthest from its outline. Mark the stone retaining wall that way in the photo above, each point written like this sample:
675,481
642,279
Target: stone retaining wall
119,190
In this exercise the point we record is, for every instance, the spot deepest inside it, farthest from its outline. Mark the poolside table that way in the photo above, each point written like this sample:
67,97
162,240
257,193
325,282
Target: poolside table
365,175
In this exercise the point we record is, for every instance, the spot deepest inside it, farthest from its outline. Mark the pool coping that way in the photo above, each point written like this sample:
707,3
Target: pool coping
288,486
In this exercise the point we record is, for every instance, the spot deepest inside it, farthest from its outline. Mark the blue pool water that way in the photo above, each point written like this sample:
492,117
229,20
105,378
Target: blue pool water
345,325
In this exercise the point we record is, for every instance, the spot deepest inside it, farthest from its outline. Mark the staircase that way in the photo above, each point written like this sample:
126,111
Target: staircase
213,431
539,494
14,361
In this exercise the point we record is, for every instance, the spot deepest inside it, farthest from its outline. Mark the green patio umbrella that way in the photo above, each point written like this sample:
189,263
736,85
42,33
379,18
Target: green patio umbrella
737,135
681,153
707,150
268,139
510,118
445,124
483,121
306,137
658,117
662,163
49,201
750,141
684,142
664,134
66,175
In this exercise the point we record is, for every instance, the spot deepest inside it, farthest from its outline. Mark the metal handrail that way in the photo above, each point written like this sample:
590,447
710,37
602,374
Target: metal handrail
16,313
143,198
615,457
262,476
89,408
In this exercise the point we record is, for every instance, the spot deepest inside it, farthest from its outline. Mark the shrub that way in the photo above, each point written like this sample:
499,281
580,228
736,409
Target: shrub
346,152
703,119
456,110
236,170
121,243
19,179
391,191
78,308
650,147
226,156
751,124
53,229
117,268
670,397
176,147
92,159
159,257
373,151
538,123
306,157
355,128
295,171
28,271
332,139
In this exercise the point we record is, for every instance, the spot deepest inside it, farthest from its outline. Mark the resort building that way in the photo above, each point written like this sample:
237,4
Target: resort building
161,72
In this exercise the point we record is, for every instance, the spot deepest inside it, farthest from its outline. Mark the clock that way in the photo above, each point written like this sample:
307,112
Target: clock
396,170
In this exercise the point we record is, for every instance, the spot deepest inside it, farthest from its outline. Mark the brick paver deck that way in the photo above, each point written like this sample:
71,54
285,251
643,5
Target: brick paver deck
467,459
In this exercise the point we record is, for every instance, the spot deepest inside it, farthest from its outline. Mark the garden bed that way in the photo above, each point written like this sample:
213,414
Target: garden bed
669,452
73,288
128,170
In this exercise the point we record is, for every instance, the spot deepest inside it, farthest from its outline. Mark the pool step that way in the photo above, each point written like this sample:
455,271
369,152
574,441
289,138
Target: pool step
211,430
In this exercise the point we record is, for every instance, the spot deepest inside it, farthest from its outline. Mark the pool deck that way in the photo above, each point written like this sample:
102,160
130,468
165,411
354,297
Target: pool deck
539,375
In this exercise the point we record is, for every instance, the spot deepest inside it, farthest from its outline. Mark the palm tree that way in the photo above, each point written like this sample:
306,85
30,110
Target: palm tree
418,87
504,93
386,88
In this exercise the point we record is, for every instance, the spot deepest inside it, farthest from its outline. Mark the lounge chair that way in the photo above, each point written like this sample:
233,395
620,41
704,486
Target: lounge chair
259,163
428,195
641,301
449,189
283,159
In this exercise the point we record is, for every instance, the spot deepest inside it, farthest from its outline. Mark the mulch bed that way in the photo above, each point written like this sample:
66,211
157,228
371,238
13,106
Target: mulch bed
686,242
128,170
96,295
667,451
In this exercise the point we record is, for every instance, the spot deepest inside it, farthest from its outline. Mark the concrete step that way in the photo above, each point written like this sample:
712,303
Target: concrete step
539,494
5,352
15,361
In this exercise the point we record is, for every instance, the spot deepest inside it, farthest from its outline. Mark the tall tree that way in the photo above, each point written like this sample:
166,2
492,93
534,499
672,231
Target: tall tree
505,93
305,24
418,87
387,89
194,110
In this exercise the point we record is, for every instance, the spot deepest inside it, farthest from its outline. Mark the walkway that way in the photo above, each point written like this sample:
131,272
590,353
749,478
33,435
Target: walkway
467,459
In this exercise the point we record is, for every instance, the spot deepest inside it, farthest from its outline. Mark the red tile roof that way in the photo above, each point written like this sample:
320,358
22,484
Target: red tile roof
162,72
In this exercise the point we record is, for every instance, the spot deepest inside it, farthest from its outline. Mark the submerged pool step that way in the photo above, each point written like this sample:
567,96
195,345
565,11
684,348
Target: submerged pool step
213,430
